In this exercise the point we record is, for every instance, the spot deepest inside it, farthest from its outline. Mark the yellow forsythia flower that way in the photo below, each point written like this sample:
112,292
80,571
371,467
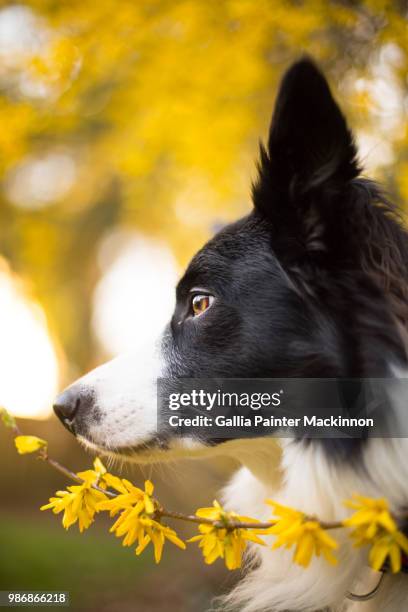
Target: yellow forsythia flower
294,528
371,516
99,468
137,521
28,444
388,545
79,502
129,496
137,526
95,476
373,525
224,541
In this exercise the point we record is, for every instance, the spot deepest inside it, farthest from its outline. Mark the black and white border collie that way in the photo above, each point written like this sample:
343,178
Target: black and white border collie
312,283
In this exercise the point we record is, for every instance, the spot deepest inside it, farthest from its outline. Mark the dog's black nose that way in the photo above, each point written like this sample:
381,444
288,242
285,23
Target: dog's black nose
66,407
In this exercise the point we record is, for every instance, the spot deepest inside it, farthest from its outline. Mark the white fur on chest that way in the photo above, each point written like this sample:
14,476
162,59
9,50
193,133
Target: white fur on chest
310,482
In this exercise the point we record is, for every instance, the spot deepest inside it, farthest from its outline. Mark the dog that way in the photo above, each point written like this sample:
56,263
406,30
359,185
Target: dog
311,283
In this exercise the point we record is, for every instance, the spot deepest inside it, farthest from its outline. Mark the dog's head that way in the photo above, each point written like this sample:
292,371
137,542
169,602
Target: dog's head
306,285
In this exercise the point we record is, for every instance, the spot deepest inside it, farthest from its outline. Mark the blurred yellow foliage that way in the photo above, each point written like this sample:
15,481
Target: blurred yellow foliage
159,105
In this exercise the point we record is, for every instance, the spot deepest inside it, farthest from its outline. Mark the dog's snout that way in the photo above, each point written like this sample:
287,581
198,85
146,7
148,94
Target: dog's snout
69,403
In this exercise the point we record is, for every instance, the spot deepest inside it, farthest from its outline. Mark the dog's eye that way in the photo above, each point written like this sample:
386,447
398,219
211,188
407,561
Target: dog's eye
200,303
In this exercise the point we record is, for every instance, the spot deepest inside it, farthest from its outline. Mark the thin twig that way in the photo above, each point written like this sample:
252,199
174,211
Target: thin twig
60,468
192,518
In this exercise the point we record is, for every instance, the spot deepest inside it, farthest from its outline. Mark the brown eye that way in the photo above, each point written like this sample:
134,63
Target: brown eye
200,303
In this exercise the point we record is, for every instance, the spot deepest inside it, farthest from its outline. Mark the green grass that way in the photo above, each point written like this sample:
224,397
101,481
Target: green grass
38,556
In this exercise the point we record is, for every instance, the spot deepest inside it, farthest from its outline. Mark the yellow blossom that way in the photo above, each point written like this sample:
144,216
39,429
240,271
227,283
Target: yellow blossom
373,524
388,545
137,521
222,540
99,467
136,525
95,476
294,528
29,444
79,502
130,497
371,516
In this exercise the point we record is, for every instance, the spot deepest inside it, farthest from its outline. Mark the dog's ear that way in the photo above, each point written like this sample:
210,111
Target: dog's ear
309,160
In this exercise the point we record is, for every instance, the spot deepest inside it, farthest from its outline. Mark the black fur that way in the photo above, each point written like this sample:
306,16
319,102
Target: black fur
313,283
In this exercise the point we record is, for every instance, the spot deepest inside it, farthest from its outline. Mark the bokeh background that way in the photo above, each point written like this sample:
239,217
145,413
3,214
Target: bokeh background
128,135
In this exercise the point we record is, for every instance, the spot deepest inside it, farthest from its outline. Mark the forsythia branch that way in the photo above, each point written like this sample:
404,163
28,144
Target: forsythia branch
222,533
